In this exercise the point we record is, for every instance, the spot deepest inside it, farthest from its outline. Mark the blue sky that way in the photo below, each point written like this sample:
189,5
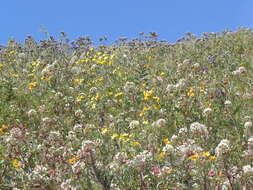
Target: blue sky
115,18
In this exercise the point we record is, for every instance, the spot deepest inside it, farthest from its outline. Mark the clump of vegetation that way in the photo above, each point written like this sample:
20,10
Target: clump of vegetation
138,114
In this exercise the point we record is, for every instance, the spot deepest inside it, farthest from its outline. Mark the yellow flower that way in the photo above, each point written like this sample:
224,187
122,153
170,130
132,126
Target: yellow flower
146,109
156,98
104,130
118,94
31,85
4,127
213,158
141,114
79,98
16,163
190,92
1,131
166,141
194,157
206,154
31,75
135,143
145,122
150,58
15,75
114,136
78,80
148,94
161,155
73,160
35,63
157,106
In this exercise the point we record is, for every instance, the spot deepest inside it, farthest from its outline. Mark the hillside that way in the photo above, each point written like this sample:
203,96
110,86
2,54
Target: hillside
138,114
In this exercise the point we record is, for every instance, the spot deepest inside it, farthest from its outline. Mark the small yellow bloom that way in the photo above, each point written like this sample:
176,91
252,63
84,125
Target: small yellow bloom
15,75
104,130
118,94
194,157
1,131
114,136
79,98
213,158
156,98
31,75
16,163
31,85
5,127
206,154
73,160
161,155
141,114
166,141
135,143
146,109
148,94
78,80
145,122
35,63
190,92
157,106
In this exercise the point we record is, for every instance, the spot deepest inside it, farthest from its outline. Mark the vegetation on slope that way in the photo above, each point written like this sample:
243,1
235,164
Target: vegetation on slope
139,114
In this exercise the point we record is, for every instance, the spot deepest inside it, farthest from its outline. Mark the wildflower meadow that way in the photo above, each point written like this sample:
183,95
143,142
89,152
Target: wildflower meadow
138,114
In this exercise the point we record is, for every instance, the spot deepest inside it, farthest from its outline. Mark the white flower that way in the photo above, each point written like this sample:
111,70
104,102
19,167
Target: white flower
168,148
196,65
170,88
76,70
16,132
182,131
247,170
207,111
21,55
134,124
250,141
73,60
227,102
241,69
236,72
199,129
129,86
71,135
248,124
141,158
186,61
31,112
120,157
78,127
223,147
88,146
159,123
46,120
174,138
78,113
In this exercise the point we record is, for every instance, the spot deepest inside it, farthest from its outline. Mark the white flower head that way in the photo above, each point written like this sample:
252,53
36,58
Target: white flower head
248,170
241,69
222,148
227,102
207,111
248,124
134,124
199,129
31,112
